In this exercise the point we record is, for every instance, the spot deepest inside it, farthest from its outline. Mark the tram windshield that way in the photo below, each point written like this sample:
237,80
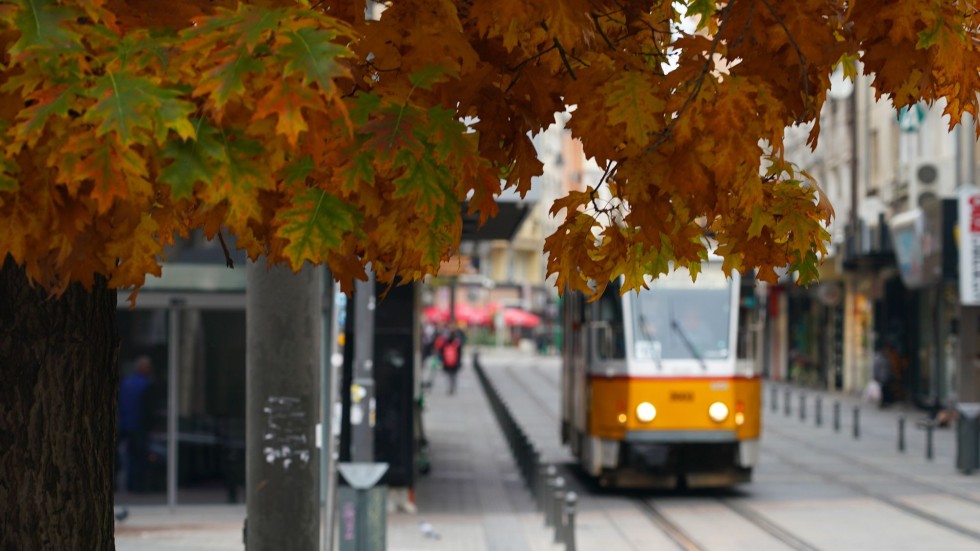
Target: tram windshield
678,319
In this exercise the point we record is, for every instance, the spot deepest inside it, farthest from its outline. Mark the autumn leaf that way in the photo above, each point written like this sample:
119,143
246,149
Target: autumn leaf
286,100
43,26
631,99
192,160
317,135
315,225
127,104
310,53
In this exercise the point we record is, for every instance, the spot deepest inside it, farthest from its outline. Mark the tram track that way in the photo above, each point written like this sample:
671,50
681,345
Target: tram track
878,469
879,496
532,378
670,529
686,542
667,526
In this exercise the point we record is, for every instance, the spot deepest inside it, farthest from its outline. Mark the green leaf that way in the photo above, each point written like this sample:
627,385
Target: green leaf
192,161
760,219
122,104
42,26
252,25
363,107
447,134
315,224
297,171
140,49
703,9
808,269
50,102
311,53
428,183
357,171
227,79
929,37
429,75
172,113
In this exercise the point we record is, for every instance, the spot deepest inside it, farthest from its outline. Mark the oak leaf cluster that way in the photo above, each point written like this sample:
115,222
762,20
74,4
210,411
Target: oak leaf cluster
313,133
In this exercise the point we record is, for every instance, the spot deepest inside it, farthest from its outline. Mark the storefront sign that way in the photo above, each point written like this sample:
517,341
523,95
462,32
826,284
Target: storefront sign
917,239
969,241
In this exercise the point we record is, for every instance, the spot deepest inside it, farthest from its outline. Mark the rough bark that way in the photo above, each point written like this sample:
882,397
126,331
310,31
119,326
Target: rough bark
58,387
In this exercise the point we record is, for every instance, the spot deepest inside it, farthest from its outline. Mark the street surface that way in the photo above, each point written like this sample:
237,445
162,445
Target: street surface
814,488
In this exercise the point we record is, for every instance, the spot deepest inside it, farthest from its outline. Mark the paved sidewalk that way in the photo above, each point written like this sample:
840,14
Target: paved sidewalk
472,499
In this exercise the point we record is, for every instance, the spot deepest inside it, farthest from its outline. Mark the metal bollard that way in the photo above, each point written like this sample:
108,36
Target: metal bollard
836,416
802,407
571,498
786,404
549,509
857,422
775,398
533,469
901,433
559,506
818,411
929,427
549,480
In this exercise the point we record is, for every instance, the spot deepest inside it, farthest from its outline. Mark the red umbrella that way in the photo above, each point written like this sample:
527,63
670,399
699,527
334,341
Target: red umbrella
470,315
516,317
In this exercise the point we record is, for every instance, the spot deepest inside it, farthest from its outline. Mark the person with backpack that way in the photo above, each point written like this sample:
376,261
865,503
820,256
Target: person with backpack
450,347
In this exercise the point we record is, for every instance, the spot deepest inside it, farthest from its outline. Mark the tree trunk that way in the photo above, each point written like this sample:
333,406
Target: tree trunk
58,388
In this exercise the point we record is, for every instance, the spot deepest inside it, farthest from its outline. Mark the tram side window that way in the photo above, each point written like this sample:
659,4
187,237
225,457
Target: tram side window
610,314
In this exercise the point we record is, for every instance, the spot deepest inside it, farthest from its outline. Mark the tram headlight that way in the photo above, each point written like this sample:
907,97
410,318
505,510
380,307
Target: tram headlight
739,414
718,412
645,412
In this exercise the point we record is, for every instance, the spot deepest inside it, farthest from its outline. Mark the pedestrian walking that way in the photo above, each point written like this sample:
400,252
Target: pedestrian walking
450,347
883,374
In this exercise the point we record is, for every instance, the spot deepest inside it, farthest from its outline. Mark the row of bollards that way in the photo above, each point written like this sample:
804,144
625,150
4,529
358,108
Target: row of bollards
855,421
558,506
546,486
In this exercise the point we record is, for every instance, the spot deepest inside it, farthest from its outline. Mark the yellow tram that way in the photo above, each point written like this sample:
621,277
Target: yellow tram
661,388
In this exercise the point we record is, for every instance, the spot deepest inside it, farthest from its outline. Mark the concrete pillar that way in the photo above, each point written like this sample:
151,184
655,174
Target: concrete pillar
283,351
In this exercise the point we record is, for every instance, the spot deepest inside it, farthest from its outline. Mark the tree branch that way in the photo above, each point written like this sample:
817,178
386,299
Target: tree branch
520,66
799,52
564,58
699,81
228,261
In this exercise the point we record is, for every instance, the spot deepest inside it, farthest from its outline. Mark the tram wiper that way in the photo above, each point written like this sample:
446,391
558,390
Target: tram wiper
685,339
646,333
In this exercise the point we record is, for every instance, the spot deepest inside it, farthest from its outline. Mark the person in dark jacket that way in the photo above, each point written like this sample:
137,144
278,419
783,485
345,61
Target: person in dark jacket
134,421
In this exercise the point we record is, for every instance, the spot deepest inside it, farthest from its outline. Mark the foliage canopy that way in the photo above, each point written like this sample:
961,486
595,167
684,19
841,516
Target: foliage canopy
313,134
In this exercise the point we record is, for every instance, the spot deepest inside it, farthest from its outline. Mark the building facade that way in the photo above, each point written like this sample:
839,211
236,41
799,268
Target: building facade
894,178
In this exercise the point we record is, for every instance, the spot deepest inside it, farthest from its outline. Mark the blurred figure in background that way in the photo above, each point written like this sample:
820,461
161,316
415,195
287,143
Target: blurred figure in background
450,347
883,373
134,421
